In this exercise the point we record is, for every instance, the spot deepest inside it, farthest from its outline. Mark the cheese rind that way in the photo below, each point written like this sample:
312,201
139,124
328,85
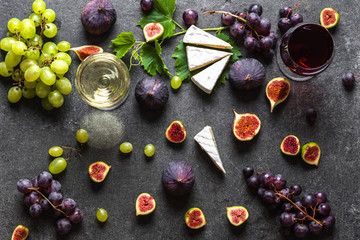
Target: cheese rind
196,36
207,78
201,57
207,142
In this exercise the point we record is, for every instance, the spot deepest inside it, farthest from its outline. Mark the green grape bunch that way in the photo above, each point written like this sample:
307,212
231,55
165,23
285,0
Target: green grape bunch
37,68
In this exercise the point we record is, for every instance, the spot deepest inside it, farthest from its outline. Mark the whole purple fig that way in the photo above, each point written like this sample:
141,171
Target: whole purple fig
178,178
98,16
151,93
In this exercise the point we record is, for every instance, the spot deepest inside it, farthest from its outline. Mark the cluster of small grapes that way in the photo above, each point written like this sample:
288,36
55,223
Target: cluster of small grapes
255,30
311,214
44,193
37,69
289,18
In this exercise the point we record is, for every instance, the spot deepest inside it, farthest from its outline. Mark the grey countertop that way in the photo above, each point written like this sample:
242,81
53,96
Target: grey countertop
27,132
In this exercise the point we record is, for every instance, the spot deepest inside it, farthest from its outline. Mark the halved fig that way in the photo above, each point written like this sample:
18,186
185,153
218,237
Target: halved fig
153,31
84,51
176,132
277,90
329,18
245,126
310,153
290,145
145,204
194,218
237,215
98,171
20,233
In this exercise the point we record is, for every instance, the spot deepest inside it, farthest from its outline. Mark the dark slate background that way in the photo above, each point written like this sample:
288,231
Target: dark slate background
27,132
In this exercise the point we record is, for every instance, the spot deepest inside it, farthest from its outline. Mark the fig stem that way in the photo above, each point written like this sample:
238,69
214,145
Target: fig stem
43,196
357,76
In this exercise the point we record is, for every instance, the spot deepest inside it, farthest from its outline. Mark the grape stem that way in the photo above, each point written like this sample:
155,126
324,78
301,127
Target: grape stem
52,205
78,151
304,212
293,9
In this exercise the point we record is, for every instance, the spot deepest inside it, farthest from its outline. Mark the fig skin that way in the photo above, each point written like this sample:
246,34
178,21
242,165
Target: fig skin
304,150
246,74
151,93
229,216
178,178
98,16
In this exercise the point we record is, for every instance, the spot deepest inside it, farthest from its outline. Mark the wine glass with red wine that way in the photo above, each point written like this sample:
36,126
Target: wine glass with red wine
305,50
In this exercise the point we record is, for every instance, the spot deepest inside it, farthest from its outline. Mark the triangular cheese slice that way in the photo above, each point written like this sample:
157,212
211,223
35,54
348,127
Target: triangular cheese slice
206,140
207,78
201,57
196,36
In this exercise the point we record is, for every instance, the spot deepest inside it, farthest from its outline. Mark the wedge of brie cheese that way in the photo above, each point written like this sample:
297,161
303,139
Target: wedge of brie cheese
196,36
207,78
201,57
206,140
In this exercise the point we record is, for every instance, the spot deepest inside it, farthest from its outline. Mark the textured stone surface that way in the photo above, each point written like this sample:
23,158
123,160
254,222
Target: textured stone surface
27,132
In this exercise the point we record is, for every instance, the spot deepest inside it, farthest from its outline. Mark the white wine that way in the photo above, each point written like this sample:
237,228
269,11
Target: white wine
103,81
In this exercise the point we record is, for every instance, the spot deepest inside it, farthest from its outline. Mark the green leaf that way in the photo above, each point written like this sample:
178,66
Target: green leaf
151,59
162,13
123,43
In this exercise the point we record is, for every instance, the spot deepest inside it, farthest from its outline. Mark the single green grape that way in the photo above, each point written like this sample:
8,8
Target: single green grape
26,63
19,48
63,85
47,76
28,93
149,150
56,151
46,105
30,85
38,6
82,136
42,90
42,58
59,66
5,71
36,41
56,98
176,82
14,25
14,94
126,147
48,15
11,59
50,48
50,30
64,56
16,75
32,73
57,165
36,18
101,215
33,54
6,43
27,29
63,46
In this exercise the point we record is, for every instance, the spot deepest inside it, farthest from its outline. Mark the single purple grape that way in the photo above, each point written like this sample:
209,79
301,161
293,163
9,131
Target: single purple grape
63,226
45,205
243,16
287,207
266,179
44,179
324,209
264,27
295,189
190,16
287,219
249,43
328,222
256,8
68,205
34,182
279,181
266,43
248,171
315,228
300,230
300,215
253,181
253,19
285,12
35,210
269,197
284,24
258,47
55,198
147,5
273,35
311,115
320,196
261,191
77,216
299,204
237,30
34,197
23,186
27,201
296,19
226,19
308,200
54,187
348,80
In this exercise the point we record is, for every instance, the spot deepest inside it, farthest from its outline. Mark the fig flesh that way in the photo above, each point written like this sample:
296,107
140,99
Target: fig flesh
84,51
247,73
145,204
98,171
178,178
176,132
310,153
329,18
290,145
246,126
20,233
98,16
237,215
277,90
194,218
153,31
151,93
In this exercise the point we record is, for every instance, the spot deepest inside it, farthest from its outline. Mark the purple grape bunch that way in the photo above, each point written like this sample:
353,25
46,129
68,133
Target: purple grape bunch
306,215
43,190
255,31
289,18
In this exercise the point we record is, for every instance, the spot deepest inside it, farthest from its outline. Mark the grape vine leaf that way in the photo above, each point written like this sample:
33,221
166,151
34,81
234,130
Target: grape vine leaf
151,59
162,13
123,43
181,64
